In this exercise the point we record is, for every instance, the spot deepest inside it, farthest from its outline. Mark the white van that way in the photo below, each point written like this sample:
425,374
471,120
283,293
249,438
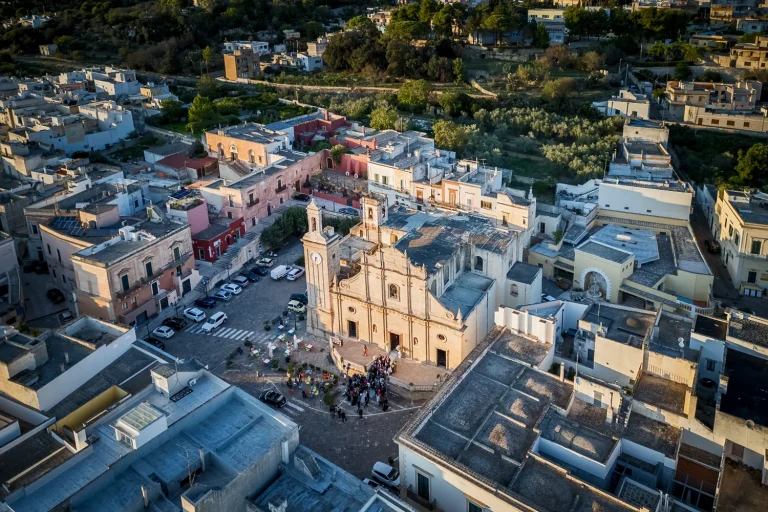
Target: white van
279,272
214,321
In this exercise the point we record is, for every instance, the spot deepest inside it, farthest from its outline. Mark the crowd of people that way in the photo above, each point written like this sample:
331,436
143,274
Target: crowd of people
361,389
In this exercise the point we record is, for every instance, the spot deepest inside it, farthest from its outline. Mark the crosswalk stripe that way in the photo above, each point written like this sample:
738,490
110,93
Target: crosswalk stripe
224,332
294,406
243,335
233,333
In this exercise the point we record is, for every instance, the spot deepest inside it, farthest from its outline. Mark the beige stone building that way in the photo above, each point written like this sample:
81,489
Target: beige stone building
753,120
144,269
241,64
423,283
722,96
750,55
743,228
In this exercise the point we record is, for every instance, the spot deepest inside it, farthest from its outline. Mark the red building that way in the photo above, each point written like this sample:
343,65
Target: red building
309,132
214,240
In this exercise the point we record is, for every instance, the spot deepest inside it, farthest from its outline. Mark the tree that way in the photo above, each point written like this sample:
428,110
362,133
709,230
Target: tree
201,114
383,117
591,61
414,94
207,57
427,9
450,135
336,153
172,110
747,38
682,71
752,166
710,76
313,30
540,37
659,94
559,88
443,21
171,64
459,70
208,87
450,102
362,23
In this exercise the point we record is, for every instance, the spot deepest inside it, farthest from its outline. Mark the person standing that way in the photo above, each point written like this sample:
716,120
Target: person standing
360,412
343,417
366,399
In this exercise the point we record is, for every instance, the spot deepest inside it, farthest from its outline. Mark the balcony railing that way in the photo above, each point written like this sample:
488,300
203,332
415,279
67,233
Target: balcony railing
250,204
281,189
414,496
148,279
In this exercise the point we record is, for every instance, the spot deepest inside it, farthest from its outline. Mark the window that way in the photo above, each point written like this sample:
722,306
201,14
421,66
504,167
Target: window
513,290
229,215
176,253
441,337
746,125
148,266
54,272
415,341
124,281
469,202
486,205
402,184
715,121
757,245
729,123
49,248
374,328
58,253
478,263
385,180
370,213
473,507
155,288
34,227
231,201
376,178
392,239
730,230
394,292
135,203
125,306
736,238
422,486
711,365
250,198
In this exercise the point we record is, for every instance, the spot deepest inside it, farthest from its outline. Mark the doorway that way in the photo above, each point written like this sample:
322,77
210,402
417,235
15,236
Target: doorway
598,399
351,329
269,209
163,303
297,185
394,341
442,358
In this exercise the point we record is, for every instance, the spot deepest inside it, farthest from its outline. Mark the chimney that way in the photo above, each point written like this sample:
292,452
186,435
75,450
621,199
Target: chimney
363,130
326,115
202,459
145,495
374,143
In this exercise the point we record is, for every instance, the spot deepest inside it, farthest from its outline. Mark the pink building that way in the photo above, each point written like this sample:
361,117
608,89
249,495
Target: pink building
191,209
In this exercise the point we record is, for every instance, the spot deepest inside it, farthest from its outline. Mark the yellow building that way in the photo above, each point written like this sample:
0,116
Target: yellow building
743,231
241,64
426,284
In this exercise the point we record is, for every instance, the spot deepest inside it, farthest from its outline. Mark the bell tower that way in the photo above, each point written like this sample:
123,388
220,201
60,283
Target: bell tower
321,258
374,215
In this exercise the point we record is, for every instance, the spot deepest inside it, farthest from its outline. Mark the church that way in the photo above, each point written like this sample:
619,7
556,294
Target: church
424,283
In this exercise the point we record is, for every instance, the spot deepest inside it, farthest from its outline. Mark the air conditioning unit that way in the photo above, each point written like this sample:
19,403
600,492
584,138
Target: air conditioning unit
192,382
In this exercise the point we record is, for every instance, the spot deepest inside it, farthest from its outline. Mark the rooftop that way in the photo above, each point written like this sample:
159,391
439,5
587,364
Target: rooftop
522,272
114,252
671,330
741,489
640,242
511,345
262,175
63,353
663,393
583,440
621,324
170,149
747,395
749,328
466,291
251,132
653,434
604,251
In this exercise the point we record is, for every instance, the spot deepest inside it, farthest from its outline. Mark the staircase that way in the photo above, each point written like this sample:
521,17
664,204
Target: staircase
624,410
223,262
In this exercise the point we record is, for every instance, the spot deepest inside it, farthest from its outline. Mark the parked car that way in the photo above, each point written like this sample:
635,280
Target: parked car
370,483
279,272
301,297
295,273
241,281
273,398
297,307
175,323
712,246
214,321
206,302
231,288
349,211
265,262
55,296
305,198
222,295
157,343
386,474
250,276
195,314
260,271
164,332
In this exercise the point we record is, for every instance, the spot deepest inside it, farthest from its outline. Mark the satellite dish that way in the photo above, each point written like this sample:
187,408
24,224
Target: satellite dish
750,424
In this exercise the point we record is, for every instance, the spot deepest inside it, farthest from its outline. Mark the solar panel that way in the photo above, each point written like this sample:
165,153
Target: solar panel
76,231
181,194
63,222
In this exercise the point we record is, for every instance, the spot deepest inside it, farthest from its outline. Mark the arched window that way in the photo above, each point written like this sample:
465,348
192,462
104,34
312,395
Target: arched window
373,327
370,213
393,239
446,274
314,224
394,292
478,263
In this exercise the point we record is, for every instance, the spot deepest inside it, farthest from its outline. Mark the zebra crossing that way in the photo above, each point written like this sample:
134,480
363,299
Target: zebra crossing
231,333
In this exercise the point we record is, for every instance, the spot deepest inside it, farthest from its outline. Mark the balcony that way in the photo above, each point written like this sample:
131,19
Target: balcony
282,188
251,204
414,497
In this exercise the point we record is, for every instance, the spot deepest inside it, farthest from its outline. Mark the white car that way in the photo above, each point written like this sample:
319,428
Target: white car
386,474
194,314
164,332
223,295
266,262
214,321
295,273
231,288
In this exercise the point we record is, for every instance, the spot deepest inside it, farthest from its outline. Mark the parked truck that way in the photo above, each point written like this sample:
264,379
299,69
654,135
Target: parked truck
279,272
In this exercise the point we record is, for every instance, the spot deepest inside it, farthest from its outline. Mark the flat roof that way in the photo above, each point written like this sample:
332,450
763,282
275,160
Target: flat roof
123,248
522,272
578,438
511,345
653,434
741,490
750,329
141,416
63,353
672,329
170,149
466,292
663,393
747,387
640,242
621,324
605,252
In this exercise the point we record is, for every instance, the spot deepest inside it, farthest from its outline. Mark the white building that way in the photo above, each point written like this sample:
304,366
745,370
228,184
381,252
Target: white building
626,104
259,47
114,81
